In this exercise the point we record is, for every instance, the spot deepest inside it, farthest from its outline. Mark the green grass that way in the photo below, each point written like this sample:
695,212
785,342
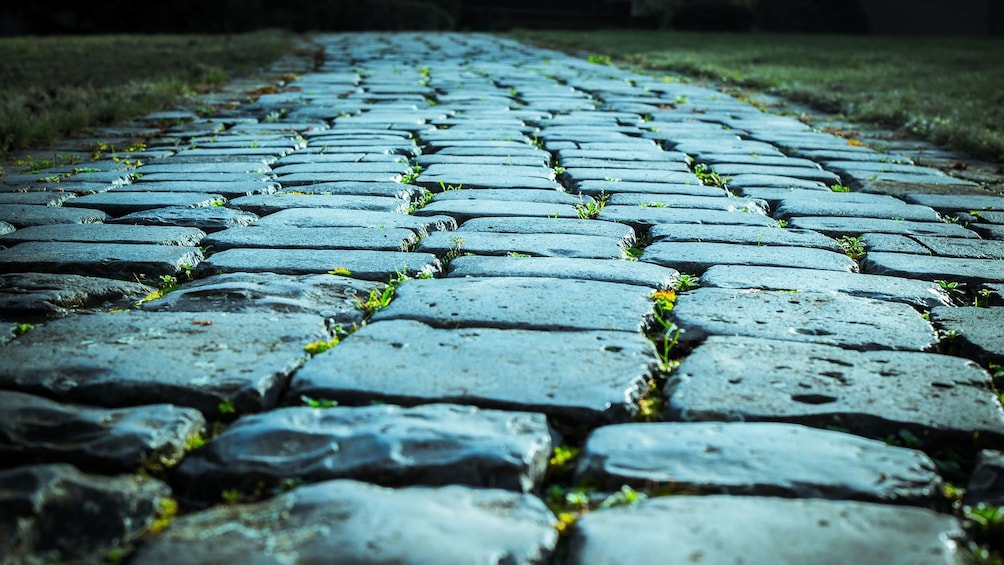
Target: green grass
51,87
947,90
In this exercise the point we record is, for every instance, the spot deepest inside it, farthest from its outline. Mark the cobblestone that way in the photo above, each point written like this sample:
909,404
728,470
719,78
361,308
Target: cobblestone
452,260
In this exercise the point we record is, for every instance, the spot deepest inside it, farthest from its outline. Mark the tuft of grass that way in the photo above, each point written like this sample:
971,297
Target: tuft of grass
944,89
51,87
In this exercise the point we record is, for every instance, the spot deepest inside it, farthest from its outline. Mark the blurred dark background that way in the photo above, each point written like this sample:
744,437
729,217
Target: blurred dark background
880,17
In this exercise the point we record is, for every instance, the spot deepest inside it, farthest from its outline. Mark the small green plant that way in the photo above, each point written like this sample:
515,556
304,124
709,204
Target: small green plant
164,513
708,177
600,59
411,176
226,407
559,170
21,328
854,247
591,210
985,294
341,271
194,441
517,255
318,403
423,200
34,165
840,188
379,299
953,289
665,334
686,282
444,187
782,224
626,496
563,460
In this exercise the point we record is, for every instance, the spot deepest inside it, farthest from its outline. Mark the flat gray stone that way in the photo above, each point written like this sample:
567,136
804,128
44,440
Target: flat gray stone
333,297
791,461
452,524
986,484
98,259
464,210
537,244
741,182
360,263
981,331
608,270
901,184
597,188
956,247
513,195
121,203
408,363
939,399
578,175
208,219
398,190
329,217
39,430
41,198
933,268
804,173
56,514
642,218
519,302
792,209
954,203
919,294
106,233
745,235
892,243
568,226
34,295
686,201
294,237
228,189
265,204
836,227
831,319
197,360
731,529
23,215
696,257
444,444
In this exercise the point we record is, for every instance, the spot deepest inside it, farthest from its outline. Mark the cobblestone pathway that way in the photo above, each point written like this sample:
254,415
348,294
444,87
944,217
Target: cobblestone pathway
439,303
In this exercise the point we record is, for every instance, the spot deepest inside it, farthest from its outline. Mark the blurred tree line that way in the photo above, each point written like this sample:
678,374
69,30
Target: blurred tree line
960,17
227,16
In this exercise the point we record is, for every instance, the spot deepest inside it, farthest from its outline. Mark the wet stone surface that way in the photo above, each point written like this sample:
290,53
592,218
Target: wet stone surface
919,294
876,394
791,461
447,525
519,302
435,444
38,430
47,295
417,364
830,319
197,360
724,529
55,513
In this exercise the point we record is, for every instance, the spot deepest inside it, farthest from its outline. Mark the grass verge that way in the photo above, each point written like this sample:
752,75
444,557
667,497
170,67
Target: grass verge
946,90
52,87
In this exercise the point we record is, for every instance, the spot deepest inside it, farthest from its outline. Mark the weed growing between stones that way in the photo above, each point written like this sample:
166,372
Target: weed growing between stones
411,176
317,402
379,299
318,347
423,200
21,328
854,247
708,177
840,188
592,209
